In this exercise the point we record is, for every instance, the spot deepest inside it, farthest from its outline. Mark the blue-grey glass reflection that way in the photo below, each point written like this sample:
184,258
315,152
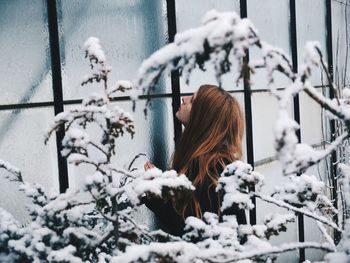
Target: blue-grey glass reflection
25,67
22,144
129,32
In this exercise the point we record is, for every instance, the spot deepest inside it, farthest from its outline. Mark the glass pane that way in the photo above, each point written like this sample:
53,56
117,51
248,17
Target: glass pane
311,26
25,70
264,111
22,144
272,172
312,233
154,136
129,32
240,97
278,19
312,120
341,52
11,199
189,14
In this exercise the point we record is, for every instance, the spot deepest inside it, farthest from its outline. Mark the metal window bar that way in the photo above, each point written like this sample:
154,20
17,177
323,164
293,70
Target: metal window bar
329,43
175,74
57,89
294,48
119,98
248,115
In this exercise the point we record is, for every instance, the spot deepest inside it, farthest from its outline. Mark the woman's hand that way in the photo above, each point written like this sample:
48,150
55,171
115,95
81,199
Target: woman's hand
148,166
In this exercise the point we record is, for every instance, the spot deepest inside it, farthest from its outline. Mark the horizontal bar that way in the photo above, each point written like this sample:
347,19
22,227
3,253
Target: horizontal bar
121,98
273,158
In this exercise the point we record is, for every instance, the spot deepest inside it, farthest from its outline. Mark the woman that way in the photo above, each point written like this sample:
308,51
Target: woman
212,139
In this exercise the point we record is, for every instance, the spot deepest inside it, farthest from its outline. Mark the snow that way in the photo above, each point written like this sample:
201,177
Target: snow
65,254
93,47
154,181
218,30
311,50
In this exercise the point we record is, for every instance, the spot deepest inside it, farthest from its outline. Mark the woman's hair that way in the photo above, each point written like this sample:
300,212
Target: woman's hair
212,137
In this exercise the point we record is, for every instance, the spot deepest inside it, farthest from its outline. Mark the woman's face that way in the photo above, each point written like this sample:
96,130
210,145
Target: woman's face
184,112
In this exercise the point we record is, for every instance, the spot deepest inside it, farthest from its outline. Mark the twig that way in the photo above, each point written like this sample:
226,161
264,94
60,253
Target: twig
283,204
98,147
325,234
277,250
122,172
125,216
135,158
323,102
329,77
103,239
302,166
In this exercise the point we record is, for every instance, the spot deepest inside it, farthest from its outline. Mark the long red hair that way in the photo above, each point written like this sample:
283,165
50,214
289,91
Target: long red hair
212,136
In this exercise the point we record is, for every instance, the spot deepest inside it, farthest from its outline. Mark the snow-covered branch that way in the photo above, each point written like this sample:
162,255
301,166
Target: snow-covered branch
303,211
278,250
220,35
13,170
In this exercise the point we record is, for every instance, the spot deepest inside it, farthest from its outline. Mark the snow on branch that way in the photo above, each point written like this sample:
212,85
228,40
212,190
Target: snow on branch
303,190
297,157
344,180
272,224
121,85
234,182
156,183
254,254
303,211
13,170
274,59
220,35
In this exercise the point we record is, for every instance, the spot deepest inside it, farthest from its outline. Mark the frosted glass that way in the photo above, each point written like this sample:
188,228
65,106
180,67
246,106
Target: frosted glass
129,32
311,26
11,199
22,144
273,177
154,135
312,120
274,29
240,98
341,54
312,233
25,70
264,111
189,14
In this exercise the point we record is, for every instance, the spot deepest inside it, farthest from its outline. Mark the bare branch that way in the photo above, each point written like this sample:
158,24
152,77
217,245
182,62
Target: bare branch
305,212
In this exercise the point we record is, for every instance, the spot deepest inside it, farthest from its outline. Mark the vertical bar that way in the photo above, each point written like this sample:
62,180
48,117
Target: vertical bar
329,44
57,89
175,75
293,42
248,114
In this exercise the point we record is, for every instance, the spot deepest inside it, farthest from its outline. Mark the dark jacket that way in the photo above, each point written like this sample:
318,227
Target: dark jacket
209,200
